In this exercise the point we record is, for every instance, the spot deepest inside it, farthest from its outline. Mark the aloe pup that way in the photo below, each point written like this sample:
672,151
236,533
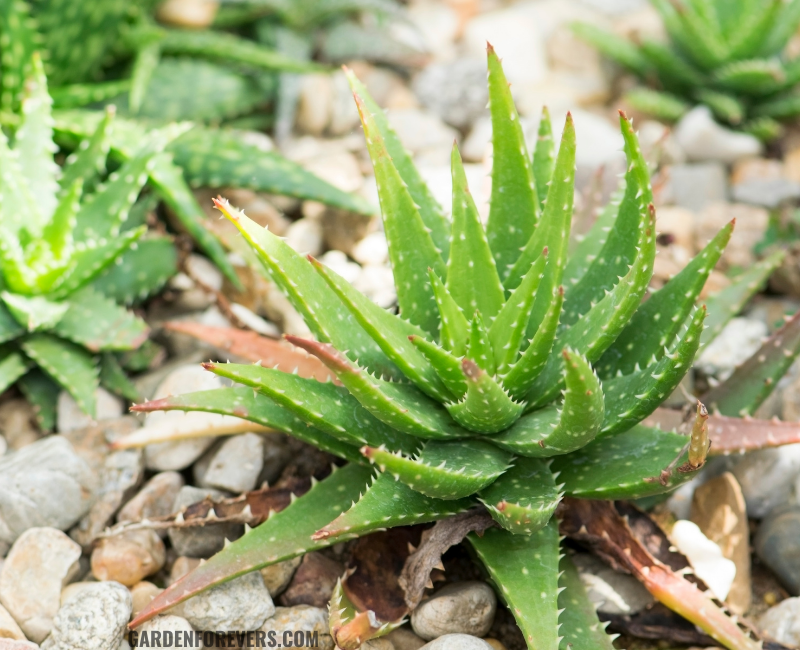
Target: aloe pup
61,230
513,375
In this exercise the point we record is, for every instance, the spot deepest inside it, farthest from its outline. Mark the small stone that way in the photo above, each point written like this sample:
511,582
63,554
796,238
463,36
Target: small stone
278,576
155,499
782,622
280,310
767,478
253,321
337,261
315,104
694,186
737,341
455,91
164,623
704,140
761,181
602,141
129,557
777,543
241,604
277,454
609,591
12,644
751,225
37,567
419,130
313,582
458,608
342,229
404,639
373,249
457,642
43,484
305,236
718,508
495,644
377,284
659,145
201,270
71,416
18,423
200,541
95,619
237,464
341,169
73,589
300,618
377,644
142,594
188,13
8,627
705,557
181,566
679,225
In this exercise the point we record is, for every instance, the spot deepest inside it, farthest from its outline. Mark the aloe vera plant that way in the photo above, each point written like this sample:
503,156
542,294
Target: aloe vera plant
60,231
513,375
726,54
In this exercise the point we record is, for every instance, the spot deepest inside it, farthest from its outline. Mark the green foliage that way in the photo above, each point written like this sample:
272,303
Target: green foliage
483,390
728,55
57,240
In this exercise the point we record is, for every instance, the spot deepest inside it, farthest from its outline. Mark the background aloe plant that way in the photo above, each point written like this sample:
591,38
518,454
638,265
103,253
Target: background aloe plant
513,375
726,54
61,232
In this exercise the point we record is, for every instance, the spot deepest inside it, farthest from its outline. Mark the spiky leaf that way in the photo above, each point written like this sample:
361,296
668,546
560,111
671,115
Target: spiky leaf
544,156
13,365
34,312
140,271
580,627
454,325
486,407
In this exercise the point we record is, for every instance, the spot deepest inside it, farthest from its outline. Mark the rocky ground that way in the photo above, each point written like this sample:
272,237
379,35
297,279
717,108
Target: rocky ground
64,586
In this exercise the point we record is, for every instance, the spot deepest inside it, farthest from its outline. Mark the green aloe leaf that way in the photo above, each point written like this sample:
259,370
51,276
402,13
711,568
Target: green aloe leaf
311,296
508,329
671,65
444,470
243,402
390,333
144,65
479,347
486,407
445,364
544,156
430,211
588,246
631,398
454,325
98,323
58,232
34,312
14,191
514,206
751,76
725,107
560,430
83,94
9,326
283,536
625,466
13,365
329,407
657,322
400,406
783,29
72,367
411,248
748,39
389,503
659,104
88,162
579,626
42,392
524,569
753,381
33,142
113,378
611,45
524,498
472,277
19,41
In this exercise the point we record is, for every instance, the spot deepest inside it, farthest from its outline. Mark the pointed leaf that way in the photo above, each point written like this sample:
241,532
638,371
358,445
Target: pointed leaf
524,569
13,365
19,208
622,466
551,431
19,41
631,398
753,381
523,373
401,407
42,392
389,332
390,503
657,322
579,626
97,323
329,407
114,379
472,277
619,50
479,348
411,249
243,402
9,327
623,241
33,142
310,295
34,312
58,232
444,470
70,366
446,365
429,210
486,407
524,498
283,536
544,156
454,325
514,205
507,330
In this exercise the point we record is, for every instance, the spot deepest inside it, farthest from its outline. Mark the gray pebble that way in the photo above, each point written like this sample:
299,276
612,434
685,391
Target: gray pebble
458,608
237,464
782,622
300,618
457,642
200,541
777,543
